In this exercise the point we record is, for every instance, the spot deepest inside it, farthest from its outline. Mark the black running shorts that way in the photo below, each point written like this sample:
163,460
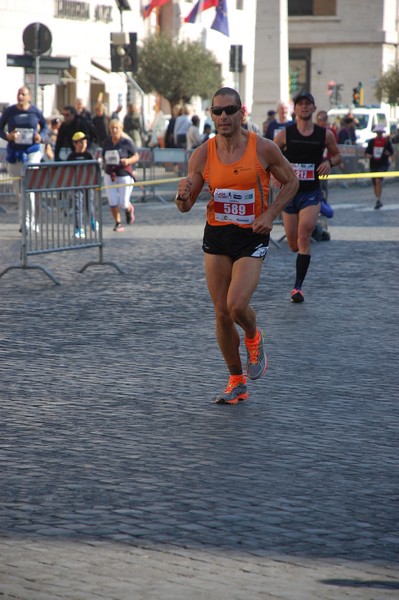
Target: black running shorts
235,242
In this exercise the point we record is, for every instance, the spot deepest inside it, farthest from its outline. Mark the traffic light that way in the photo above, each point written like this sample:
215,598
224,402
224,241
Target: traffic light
236,59
361,93
356,96
331,89
294,82
123,52
334,92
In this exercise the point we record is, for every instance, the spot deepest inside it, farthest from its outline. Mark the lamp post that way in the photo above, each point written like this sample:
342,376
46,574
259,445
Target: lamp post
122,6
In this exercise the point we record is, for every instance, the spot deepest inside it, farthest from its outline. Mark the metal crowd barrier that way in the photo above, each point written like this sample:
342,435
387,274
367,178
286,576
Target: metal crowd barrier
6,184
354,161
62,210
164,166
143,172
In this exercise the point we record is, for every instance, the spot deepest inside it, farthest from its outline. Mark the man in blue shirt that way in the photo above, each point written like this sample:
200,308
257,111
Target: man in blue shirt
24,127
281,122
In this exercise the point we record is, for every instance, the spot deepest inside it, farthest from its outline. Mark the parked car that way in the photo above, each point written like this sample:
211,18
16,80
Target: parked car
367,117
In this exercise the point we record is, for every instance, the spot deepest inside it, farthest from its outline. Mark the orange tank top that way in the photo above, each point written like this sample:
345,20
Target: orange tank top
240,190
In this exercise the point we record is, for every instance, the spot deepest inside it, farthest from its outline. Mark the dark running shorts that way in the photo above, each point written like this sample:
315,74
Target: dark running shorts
378,169
235,242
302,200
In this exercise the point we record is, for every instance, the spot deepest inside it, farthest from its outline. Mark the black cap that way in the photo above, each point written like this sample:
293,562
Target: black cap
270,113
302,95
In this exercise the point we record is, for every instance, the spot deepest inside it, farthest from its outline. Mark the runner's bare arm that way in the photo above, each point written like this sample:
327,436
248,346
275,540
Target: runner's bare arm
325,166
189,187
280,139
272,158
332,147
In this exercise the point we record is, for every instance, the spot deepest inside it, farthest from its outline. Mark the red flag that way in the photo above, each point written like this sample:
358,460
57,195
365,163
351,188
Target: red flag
198,8
153,4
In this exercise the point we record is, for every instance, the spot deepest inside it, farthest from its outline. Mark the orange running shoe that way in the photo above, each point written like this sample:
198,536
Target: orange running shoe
256,357
235,391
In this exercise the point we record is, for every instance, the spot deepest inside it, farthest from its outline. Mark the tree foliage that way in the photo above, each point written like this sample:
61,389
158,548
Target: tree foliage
176,70
387,87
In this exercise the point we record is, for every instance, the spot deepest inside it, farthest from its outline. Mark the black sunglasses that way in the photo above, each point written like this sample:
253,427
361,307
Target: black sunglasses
231,109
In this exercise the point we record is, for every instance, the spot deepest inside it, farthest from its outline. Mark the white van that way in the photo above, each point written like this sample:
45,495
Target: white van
368,118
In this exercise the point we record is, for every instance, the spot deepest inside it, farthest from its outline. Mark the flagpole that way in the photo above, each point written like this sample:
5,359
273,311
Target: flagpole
200,6
203,37
199,16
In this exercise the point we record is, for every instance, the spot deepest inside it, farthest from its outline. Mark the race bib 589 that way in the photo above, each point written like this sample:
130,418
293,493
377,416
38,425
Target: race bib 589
234,206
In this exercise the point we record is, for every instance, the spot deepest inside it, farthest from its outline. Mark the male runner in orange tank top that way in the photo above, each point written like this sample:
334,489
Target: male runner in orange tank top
236,164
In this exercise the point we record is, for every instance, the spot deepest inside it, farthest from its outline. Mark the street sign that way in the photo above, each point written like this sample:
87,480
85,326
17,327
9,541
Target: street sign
46,71
44,78
19,60
46,62
37,39
40,70
55,62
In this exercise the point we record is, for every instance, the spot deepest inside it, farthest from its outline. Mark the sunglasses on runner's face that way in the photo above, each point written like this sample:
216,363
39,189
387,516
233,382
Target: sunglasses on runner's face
231,109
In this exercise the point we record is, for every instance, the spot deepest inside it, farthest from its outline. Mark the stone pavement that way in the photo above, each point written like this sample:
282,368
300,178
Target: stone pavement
121,480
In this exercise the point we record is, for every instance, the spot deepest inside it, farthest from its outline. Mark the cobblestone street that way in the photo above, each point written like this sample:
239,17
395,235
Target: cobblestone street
121,480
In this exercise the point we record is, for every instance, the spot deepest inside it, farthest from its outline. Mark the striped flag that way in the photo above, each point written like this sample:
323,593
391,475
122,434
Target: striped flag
153,4
198,8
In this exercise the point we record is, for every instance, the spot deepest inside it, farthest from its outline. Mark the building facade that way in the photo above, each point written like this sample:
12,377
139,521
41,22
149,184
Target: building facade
81,31
333,46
